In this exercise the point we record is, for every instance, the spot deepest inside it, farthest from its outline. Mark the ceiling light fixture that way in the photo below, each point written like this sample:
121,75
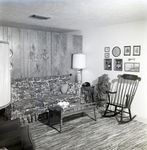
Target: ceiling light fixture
39,17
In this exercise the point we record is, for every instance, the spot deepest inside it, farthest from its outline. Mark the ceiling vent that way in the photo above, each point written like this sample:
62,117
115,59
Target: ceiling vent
39,17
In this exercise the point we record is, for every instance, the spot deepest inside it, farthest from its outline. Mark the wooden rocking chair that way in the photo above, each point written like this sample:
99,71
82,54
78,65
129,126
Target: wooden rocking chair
119,102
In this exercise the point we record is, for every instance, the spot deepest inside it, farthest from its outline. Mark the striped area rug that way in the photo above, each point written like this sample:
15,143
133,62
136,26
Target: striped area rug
83,133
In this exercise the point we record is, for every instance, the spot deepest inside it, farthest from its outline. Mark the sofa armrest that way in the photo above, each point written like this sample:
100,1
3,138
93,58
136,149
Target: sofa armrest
10,139
26,138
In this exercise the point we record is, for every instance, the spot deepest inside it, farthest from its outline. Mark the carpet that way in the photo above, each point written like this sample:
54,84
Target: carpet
83,133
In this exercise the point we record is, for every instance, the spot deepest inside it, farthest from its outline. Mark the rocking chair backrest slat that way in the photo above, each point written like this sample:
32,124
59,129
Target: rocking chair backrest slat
126,87
113,88
123,92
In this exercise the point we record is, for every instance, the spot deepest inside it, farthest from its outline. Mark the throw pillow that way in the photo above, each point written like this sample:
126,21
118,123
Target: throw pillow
72,89
55,88
64,88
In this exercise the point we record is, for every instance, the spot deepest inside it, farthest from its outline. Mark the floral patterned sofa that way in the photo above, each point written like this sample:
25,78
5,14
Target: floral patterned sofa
31,96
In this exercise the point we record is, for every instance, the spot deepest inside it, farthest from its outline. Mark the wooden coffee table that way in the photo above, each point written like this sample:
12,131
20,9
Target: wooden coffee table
74,108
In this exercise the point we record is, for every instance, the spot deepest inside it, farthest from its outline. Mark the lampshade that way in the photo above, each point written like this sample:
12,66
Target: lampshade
4,74
79,61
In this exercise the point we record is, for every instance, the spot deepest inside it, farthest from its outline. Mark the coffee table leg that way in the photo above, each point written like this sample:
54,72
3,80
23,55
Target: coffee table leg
49,116
95,114
61,123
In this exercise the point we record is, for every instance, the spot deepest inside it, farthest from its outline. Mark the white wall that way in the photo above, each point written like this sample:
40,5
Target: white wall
127,34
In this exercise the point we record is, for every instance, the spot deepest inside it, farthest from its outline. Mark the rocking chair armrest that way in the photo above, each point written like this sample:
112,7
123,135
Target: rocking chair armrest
129,96
109,92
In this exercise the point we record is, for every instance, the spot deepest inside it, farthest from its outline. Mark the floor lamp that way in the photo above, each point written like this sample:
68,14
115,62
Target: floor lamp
79,63
4,74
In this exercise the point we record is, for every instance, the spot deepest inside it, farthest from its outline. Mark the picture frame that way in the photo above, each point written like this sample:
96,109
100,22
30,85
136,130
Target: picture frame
107,64
136,50
107,55
118,64
107,49
132,67
116,51
127,50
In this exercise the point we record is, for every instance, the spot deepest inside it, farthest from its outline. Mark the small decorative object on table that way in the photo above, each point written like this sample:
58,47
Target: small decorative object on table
64,104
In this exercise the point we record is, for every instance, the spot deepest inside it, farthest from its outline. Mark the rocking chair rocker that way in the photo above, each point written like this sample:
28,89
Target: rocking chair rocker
119,102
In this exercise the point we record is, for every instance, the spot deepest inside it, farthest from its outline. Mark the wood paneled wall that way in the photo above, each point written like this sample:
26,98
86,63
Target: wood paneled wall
40,53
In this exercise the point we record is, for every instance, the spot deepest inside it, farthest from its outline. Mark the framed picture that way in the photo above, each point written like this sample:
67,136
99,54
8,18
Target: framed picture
107,49
116,51
118,64
136,50
132,67
107,55
107,64
127,50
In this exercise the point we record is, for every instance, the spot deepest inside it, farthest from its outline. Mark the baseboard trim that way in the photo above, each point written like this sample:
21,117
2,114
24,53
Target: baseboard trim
141,119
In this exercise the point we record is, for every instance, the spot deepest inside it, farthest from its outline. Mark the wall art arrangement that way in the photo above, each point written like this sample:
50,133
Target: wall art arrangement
132,67
108,64
127,50
136,50
107,50
107,55
118,63
116,51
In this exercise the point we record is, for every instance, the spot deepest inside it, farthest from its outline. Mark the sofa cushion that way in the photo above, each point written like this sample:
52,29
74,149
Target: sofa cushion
27,104
26,112
37,87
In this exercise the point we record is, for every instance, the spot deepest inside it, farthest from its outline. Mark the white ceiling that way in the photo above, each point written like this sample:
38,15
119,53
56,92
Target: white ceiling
68,15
